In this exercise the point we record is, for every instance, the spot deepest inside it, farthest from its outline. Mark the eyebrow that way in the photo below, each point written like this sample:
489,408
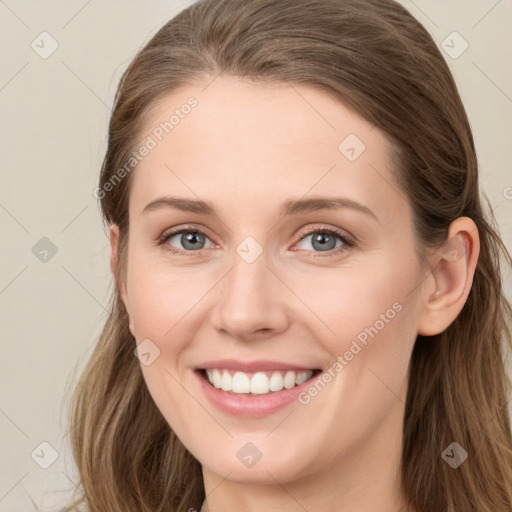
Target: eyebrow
289,207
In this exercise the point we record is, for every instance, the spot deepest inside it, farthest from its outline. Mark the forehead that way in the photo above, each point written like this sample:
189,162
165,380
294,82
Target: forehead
252,145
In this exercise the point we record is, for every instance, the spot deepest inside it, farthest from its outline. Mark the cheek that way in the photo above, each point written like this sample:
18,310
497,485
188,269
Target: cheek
159,297
367,316
348,300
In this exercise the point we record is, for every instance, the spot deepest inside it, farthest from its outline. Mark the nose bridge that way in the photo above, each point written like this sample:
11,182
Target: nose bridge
250,295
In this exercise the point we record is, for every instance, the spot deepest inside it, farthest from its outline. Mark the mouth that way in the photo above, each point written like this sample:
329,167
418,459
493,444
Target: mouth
258,383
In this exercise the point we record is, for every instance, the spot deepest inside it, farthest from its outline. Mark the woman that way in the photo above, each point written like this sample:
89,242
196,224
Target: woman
308,312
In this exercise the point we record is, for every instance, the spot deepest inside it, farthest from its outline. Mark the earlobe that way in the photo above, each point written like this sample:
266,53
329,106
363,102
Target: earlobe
451,278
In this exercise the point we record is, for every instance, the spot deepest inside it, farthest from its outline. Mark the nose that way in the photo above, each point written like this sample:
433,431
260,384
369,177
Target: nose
251,301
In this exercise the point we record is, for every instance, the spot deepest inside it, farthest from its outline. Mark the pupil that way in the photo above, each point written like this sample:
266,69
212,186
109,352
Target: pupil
321,238
190,238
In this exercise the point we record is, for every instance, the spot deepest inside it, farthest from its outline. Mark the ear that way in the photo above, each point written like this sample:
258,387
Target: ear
450,281
114,267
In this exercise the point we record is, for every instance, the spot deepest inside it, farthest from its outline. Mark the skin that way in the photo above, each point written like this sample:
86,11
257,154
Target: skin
245,149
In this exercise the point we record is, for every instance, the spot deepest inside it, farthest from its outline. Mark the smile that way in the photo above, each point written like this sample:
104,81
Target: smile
252,389
257,383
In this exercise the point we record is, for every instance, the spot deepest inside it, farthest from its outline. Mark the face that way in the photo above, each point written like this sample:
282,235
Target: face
304,263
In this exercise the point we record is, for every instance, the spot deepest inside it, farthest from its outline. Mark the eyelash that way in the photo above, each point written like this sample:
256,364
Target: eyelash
347,243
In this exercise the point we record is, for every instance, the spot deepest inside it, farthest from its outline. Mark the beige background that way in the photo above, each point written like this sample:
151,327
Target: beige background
54,115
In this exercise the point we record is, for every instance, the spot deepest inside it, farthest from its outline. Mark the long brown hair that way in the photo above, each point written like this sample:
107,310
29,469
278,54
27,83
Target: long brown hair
377,59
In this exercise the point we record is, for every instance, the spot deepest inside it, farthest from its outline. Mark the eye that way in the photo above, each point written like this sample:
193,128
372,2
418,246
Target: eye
190,238
324,239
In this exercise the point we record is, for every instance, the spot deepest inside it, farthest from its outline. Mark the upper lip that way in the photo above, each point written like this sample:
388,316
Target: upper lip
251,366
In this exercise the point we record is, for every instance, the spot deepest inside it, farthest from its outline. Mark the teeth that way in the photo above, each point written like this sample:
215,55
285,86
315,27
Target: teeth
240,382
276,382
302,377
289,380
225,382
215,378
259,383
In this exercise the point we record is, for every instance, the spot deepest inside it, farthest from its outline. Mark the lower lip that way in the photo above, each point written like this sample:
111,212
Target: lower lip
248,406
